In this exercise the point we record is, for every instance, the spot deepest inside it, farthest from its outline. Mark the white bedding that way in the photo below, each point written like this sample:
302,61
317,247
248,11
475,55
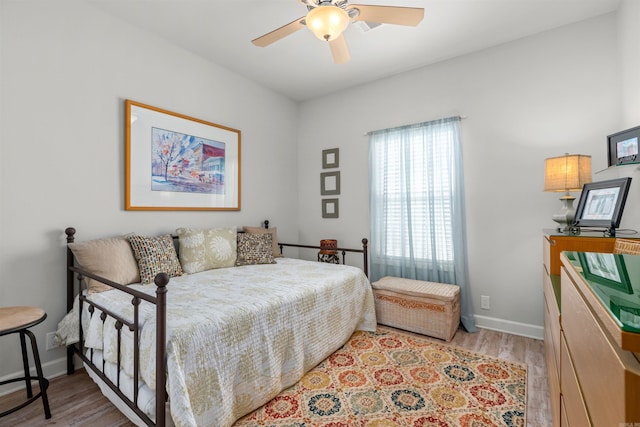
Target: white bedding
238,336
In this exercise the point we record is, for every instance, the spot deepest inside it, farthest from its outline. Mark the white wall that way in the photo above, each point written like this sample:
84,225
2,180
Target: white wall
629,64
66,69
629,42
538,97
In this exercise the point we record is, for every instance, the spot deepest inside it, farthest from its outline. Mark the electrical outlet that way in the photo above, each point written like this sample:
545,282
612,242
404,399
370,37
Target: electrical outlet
485,302
51,341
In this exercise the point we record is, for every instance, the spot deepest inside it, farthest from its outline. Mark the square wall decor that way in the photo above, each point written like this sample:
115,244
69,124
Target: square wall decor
330,158
329,208
330,183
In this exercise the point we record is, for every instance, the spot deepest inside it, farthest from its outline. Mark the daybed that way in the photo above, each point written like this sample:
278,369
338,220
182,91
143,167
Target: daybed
229,337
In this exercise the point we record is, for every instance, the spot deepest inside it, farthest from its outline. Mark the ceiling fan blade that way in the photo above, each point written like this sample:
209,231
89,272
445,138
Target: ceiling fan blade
388,14
339,50
279,33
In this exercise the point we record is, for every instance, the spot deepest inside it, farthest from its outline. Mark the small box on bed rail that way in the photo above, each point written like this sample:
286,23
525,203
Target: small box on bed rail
427,308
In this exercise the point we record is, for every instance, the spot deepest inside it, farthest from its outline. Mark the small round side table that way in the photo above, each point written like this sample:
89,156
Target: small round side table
18,320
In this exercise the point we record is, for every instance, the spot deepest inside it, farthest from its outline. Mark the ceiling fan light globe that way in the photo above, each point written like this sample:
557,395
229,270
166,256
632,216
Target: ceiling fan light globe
327,22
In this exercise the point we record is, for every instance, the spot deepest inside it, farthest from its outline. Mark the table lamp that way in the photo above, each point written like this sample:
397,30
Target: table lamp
565,174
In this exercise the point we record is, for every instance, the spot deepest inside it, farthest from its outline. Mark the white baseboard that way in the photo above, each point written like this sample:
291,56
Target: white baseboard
510,327
52,369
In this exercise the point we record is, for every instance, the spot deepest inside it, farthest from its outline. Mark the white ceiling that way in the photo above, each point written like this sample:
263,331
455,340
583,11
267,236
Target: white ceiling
301,67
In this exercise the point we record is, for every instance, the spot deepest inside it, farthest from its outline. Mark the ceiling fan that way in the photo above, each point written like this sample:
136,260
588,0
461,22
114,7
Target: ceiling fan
327,19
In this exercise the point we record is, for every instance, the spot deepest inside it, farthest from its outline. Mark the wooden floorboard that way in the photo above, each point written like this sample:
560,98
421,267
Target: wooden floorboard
76,400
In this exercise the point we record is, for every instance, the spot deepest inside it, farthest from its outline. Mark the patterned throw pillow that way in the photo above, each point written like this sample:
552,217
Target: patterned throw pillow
155,255
274,237
204,249
254,248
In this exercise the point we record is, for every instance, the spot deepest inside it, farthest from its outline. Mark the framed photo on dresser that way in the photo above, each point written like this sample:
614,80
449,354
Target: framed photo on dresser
602,203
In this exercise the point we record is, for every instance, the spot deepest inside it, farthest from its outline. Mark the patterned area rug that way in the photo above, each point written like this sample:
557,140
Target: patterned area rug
387,378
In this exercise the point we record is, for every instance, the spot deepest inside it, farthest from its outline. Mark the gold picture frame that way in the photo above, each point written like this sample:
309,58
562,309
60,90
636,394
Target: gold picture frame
177,162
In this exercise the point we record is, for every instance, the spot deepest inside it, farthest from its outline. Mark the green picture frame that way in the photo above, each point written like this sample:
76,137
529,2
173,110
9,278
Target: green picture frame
606,269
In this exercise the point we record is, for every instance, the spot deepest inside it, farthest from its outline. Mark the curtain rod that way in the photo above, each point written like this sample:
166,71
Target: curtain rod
372,131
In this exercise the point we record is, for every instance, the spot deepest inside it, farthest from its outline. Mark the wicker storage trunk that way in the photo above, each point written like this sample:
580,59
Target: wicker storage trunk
427,308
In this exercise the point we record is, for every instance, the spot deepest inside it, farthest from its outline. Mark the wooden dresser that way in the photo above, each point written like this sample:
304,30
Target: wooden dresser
592,356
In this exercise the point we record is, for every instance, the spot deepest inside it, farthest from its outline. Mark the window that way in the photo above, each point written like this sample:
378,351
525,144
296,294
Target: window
418,227
413,190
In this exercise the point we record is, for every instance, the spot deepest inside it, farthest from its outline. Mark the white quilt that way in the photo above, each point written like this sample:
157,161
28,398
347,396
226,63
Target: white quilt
238,336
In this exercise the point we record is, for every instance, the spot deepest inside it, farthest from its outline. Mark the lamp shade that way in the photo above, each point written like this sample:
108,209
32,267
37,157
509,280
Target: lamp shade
567,173
327,22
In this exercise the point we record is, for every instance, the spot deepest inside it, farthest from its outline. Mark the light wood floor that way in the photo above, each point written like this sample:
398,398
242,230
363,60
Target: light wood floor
76,401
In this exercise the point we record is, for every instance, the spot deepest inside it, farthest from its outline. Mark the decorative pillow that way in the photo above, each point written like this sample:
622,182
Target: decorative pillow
204,249
254,248
111,258
274,237
155,255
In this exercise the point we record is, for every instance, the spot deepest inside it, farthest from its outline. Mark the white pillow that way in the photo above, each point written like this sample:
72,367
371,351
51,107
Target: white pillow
111,258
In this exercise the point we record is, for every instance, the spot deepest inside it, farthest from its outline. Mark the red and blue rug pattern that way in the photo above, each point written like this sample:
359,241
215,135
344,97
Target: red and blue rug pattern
391,379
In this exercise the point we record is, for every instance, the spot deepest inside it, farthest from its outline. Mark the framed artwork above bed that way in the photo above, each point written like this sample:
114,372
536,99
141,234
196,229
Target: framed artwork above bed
177,162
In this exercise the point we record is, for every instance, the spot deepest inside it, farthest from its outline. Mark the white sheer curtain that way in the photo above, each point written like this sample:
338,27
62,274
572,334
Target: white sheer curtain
417,206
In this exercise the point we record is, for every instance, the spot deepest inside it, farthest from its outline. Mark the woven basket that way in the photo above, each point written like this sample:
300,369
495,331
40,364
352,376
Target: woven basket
426,308
328,246
627,247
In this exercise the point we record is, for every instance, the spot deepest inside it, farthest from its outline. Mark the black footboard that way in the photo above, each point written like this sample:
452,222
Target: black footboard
78,349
